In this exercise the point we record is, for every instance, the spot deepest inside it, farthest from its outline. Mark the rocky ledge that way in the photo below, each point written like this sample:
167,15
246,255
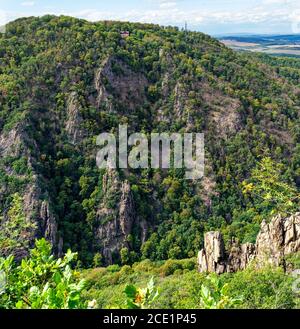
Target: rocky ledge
274,242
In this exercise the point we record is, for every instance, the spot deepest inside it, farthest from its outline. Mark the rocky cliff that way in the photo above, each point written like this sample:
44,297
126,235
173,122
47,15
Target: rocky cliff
39,218
116,217
275,241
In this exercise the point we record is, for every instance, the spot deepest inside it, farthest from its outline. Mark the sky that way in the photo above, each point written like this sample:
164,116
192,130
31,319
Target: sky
215,17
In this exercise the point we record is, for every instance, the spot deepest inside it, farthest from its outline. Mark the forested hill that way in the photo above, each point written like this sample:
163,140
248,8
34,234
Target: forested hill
63,81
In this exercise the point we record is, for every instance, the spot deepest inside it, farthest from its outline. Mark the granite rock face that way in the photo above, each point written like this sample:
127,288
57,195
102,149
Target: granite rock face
115,82
116,217
275,240
18,144
74,120
239,256
212,258
278,238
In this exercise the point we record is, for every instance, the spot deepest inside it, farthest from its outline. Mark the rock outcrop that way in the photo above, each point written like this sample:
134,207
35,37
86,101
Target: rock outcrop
239,256
115,80
115,217
74,119
275,240
18,144
48,223
38,212
278,238
213,258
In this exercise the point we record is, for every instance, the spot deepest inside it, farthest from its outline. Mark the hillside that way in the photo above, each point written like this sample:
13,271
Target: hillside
63,81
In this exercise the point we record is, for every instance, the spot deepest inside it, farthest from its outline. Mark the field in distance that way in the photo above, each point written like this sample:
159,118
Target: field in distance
284,45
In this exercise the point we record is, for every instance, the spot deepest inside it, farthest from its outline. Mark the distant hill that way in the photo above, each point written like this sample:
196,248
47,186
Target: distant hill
63,81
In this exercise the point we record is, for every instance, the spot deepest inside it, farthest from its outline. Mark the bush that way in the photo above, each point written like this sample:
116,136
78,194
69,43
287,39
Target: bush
267,288
113,268
170,266
144,266
41,281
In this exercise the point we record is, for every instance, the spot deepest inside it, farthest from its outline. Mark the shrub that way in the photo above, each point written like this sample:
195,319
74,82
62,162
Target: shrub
214,294
141,298
266,288
171,265
41,281
113,268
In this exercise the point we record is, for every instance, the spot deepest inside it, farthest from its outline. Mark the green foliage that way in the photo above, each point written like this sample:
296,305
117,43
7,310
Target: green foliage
41,281
15,227
214,295
97,260
171,266
267,288
141,298
160,79
254,288
267,184
125,256
46,60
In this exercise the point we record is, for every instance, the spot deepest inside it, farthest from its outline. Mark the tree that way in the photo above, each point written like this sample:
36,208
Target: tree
16,229
97,260
268,186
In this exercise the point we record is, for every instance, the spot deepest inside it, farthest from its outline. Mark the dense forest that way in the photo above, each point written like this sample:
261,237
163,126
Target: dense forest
63,81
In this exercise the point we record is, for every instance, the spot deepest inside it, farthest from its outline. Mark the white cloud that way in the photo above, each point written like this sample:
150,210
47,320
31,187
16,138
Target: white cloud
168,5
174,15
28,3
278,2
170,12
3,21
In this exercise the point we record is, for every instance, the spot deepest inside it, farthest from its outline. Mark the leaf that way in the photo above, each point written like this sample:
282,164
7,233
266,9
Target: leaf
205,291
131,291
57,277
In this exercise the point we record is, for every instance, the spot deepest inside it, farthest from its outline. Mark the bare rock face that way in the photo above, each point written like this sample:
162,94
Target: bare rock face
103,95
291,230
180,97
239,256
275,240
13,143
212,258
278,238
74,119
126,210
37,211
270,242
202,261
60,247
223,115
116,80
116,217
40,221
49,225
10,143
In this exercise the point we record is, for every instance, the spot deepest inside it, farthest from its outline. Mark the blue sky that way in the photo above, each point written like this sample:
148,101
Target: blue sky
210,16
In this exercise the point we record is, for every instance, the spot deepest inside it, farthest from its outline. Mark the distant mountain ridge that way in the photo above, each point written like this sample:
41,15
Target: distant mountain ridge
278,45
